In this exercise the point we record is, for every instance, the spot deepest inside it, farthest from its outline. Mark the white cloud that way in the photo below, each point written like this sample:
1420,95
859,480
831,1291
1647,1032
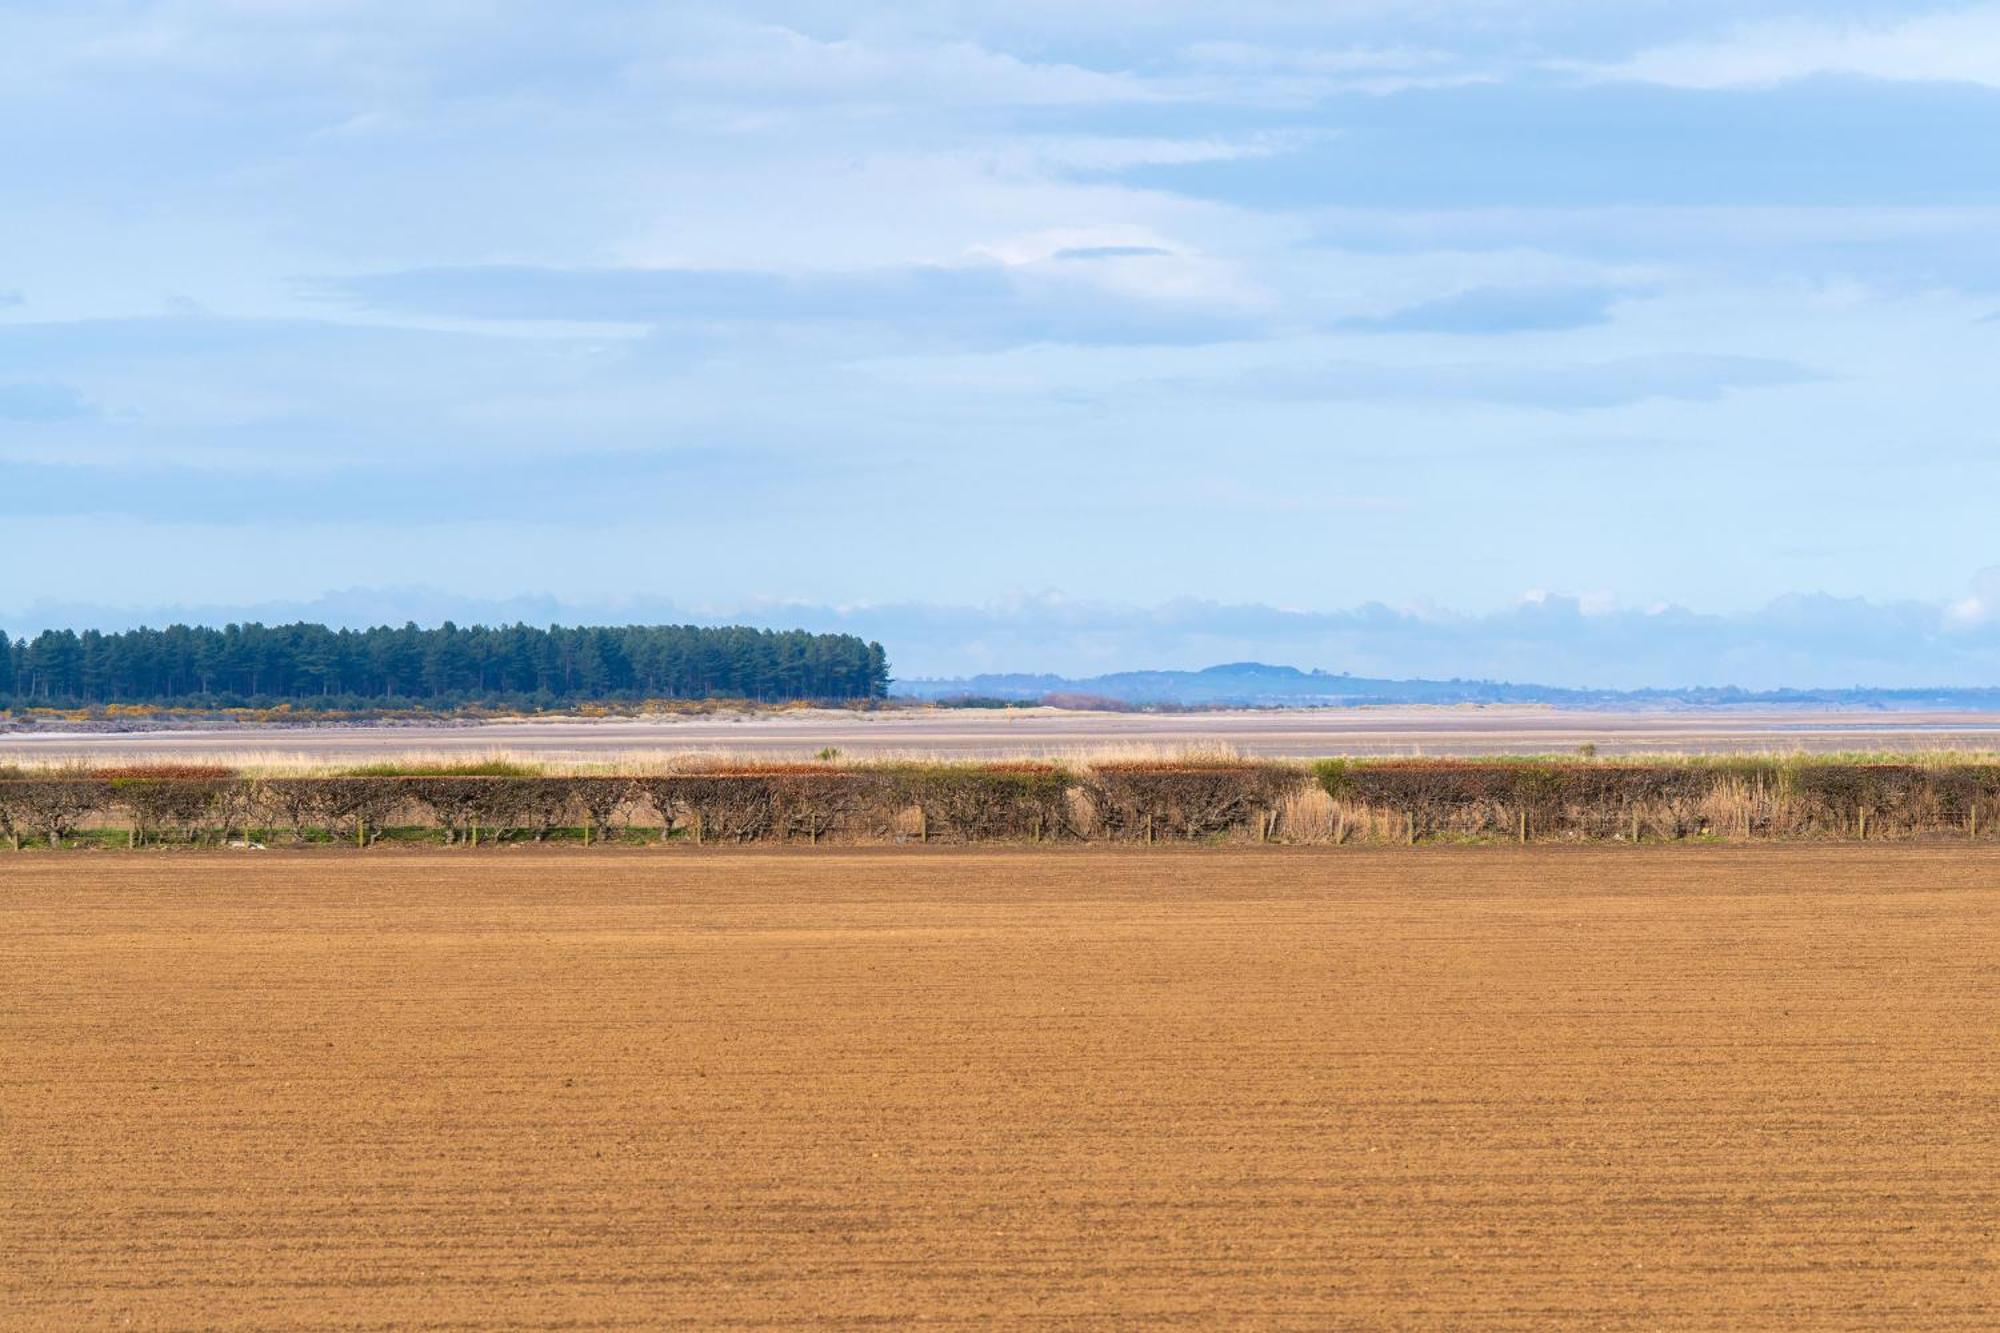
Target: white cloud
1029,154
1069,208
1953,46
760,62
1577,386
1979,608
1227,71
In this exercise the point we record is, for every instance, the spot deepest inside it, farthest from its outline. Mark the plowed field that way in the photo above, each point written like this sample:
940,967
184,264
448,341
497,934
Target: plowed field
1282,1088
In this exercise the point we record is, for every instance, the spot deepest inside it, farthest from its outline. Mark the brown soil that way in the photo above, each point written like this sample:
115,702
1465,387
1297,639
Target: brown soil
1305,1089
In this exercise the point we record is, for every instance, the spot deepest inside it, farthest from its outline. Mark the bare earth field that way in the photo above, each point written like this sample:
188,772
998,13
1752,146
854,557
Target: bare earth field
1014,733
1444,1088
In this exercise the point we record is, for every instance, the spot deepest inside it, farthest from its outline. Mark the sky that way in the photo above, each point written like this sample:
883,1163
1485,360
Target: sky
1069,337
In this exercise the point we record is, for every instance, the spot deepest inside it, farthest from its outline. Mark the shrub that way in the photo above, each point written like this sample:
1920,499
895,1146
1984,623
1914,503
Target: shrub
52,805
979,802
730,807
1840,798
464,805
599,800
1189,801
354,808
167,796
815,804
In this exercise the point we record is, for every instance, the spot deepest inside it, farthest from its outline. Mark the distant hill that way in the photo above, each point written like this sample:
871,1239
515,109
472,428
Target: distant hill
1259,685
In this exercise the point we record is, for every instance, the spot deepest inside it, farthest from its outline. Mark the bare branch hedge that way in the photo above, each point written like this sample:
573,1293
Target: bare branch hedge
1754,797
1145,802
51,807
987,802
1399,800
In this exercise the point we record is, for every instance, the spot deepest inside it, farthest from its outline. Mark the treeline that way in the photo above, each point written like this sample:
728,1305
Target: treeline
509,666
1331,803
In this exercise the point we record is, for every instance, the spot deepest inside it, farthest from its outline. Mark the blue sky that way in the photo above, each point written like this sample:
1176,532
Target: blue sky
1468,309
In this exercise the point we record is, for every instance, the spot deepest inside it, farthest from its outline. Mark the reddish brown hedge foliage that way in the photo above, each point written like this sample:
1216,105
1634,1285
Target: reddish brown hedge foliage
987,802
770,801
50,807
1149,801
1032,801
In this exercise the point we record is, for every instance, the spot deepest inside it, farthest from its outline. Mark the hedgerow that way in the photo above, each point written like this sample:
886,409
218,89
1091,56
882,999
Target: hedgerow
51,805
1187,802
160,797
1119,802
986,802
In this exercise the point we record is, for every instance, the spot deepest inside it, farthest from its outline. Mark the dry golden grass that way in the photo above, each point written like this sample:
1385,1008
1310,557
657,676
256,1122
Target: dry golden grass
1446,1089
641,762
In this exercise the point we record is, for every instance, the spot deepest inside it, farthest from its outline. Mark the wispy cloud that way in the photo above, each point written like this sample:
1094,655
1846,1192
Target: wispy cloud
1302,74
1112,252
981,304
31,400
758,63
1041,279
1489,310
1957,45
1979,609
1563,387
544,490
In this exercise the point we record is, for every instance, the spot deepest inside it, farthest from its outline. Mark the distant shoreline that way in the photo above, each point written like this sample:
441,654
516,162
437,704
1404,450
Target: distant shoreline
1914,711
916,731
